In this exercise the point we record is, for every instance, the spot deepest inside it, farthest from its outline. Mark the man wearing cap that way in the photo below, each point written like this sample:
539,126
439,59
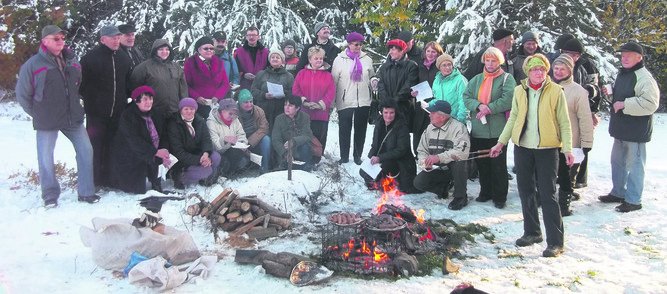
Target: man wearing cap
396,76
127,44
251,57
444,143
256,127
47,89
322,33
560,41
503,39
635,98
413,52
104,88
530,44
585,74
231,68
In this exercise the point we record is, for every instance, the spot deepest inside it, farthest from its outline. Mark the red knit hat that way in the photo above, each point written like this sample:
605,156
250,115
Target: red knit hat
136,94
398,43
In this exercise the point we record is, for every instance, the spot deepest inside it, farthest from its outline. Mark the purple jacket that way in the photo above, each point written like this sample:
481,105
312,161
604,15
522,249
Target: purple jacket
315,85
246,64
205,82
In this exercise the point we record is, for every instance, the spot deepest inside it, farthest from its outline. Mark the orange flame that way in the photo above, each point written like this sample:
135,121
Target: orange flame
420,215
390,195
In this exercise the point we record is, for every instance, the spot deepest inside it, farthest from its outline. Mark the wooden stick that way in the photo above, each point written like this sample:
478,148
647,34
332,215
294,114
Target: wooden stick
230,197
248,226
284,223
220,199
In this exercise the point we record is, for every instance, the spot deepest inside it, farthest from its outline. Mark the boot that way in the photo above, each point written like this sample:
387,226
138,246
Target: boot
564,199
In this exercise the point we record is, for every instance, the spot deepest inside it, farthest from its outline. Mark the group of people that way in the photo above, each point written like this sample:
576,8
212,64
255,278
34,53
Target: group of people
221,107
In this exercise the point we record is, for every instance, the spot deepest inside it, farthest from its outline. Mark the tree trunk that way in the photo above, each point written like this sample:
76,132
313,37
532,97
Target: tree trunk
251,256
277,269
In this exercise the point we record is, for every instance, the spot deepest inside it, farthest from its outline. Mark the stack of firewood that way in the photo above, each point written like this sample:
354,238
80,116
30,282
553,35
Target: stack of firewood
242,215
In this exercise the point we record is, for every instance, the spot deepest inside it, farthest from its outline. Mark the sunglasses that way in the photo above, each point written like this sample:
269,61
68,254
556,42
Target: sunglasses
208,48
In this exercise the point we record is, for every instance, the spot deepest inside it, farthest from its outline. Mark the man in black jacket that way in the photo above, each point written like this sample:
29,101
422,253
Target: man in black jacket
322,39
104,90
127,44
396,76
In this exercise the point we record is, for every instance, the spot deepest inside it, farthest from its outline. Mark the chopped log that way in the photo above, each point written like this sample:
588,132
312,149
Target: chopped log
229,226
277,269
257,211
193,209
247,217
222,198
245,206
233,214
223,210
259,233
230,197
251,256
266,207
284,223
235,205
205,211
277,227
221,219
248,226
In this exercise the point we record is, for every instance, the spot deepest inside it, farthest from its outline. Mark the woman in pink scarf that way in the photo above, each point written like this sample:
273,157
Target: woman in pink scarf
352,70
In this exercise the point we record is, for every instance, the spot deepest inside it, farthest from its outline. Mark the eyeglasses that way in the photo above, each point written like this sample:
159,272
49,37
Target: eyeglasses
208,48
356,44
447,65
251,35
57,39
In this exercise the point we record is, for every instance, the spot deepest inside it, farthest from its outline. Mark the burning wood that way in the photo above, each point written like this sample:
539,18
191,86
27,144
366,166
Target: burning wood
238,215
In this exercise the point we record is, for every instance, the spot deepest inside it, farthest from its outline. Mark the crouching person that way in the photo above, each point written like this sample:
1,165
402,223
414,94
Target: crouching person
228,137
391,149
190,142
256,127
291,131
444,143
138,149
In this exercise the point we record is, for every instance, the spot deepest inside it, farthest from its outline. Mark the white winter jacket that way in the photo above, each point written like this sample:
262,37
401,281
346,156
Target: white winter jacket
348,93
219,130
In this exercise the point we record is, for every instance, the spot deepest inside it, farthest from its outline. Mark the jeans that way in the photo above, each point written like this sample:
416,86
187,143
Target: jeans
627,170
264,149
536,171
46,142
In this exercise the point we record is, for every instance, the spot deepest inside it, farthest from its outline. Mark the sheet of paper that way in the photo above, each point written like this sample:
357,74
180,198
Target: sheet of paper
162,171
275,89
424,90
372,170
578,155
257,159
240,145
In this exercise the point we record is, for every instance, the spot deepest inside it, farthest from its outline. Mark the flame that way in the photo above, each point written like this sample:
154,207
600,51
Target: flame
390,195
420,215
427,236
365,249
379,256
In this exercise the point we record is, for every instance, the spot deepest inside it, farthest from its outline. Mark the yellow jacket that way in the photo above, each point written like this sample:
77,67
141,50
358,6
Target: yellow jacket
554,122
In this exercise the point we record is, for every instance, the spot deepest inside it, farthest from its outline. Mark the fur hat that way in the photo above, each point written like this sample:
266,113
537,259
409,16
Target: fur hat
203,41
139,91
535,60
398,43
493,51
318,27
354,37
188,102
562,39
573,45
499,34
244,96
442,58
530,36
565,60
632,47
279,52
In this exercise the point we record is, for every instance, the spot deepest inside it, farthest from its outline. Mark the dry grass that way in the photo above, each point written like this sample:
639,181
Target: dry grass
67,177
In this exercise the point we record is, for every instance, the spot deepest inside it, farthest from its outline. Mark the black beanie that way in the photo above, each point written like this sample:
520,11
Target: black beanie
202,41
562,39
573,45
501,33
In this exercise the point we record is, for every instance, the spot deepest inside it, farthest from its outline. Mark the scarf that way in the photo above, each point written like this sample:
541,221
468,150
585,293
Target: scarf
188,123
248,121
428,64
357,70
155,139
226,122
484,94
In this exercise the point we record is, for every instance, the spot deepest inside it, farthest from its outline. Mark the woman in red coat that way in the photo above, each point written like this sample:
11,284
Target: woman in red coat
206,76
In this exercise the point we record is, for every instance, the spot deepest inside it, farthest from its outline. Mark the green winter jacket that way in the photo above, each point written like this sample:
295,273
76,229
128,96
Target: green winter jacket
284,126
450,89
501,101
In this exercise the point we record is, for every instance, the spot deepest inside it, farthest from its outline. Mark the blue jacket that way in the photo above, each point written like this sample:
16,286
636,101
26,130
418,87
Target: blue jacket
231,68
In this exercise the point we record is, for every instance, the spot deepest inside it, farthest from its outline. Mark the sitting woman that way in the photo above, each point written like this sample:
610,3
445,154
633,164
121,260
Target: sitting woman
391,149
190,142
228,137
137,149
292,133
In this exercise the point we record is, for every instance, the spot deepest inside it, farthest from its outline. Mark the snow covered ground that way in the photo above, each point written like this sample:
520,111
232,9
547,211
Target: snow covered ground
606,251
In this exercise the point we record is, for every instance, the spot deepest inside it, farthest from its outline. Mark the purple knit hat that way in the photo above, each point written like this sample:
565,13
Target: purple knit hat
136,94
354,37
187,102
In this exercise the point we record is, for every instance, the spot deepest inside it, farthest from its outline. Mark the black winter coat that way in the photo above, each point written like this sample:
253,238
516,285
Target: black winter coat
396,78
392,144
187,149
133,154
104,83
330,53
